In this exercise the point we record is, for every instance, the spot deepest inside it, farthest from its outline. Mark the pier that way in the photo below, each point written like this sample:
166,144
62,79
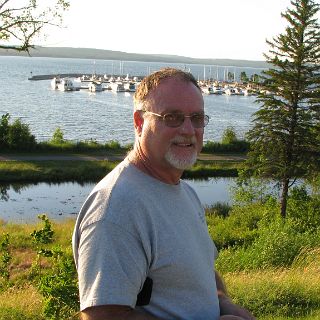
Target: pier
84,76
51,76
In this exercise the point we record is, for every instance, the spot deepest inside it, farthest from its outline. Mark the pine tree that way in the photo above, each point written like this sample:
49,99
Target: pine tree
285,137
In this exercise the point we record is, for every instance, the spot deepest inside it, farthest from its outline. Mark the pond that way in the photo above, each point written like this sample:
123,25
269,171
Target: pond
21,203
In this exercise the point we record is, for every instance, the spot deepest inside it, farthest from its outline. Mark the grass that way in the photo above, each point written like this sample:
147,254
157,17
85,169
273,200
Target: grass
54,171
84,171
271,294
293,292
21,303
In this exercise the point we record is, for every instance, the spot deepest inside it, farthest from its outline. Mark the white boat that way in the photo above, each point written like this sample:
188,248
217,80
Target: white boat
66,85
238,91
217,90
206,89
230,91
130,87
117,87
95,86
55,82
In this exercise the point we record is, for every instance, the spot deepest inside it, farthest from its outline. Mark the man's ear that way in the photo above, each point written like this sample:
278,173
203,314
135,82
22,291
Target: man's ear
138,121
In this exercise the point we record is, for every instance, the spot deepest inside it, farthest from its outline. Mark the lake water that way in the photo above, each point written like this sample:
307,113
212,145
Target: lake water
102,116
22,203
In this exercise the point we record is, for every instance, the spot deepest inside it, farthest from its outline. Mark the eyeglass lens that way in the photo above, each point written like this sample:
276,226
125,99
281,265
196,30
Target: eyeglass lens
177,119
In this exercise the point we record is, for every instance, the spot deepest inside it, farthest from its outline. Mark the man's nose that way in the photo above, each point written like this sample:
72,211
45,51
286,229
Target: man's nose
187,126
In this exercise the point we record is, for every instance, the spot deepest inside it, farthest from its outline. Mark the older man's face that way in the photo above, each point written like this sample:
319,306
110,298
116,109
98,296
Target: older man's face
170,148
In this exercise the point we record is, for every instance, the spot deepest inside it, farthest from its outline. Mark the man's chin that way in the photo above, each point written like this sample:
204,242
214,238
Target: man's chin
181,163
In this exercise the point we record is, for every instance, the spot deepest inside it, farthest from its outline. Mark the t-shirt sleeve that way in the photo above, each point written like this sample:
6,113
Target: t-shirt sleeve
112,265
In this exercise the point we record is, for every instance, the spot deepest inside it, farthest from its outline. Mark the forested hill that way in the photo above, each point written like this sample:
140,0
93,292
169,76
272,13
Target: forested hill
84,53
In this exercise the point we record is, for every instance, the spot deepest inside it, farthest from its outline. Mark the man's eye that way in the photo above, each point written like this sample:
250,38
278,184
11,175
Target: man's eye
174,116
198,117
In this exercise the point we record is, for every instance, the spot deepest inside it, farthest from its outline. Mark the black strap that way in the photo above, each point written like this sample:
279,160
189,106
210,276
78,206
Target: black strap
144,295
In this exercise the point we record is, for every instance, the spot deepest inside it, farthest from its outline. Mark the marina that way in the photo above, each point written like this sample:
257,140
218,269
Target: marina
118,83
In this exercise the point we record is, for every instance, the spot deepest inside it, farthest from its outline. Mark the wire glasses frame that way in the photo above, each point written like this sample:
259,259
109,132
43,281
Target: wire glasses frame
175,120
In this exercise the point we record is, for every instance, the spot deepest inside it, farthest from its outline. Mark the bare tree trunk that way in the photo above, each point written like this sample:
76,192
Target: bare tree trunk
284,197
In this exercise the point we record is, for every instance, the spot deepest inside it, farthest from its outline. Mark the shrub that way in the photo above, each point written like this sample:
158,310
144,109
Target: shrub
4,128
57,137
239,228
229,136
59,286
250,190
5,258
303,209
276,245
20,137
221,209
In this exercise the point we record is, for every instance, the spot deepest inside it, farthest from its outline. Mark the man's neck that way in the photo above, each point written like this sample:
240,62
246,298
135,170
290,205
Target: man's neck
169,176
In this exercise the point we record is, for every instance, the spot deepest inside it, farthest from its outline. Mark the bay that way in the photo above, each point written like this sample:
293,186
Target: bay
103,116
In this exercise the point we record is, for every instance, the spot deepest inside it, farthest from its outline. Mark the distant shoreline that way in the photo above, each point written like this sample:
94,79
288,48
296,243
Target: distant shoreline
97,54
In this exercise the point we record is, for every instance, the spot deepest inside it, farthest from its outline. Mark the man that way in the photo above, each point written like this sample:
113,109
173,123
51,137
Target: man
141,243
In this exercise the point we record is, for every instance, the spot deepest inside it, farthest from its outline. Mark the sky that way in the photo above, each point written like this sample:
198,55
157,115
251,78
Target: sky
214,29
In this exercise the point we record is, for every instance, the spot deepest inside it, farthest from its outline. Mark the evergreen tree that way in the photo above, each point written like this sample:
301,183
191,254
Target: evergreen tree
284,139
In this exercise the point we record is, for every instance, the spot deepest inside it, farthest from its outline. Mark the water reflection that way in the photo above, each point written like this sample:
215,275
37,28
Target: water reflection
22,203
16,187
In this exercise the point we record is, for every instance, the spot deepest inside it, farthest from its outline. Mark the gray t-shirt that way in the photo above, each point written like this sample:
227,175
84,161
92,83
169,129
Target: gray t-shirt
133,226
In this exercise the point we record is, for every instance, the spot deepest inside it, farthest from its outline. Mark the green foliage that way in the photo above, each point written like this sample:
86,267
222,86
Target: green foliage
205,171
253,236
244,77
230,76
5,258
250,190
220,209
60,144
278,244
59,287
57,137
304,210
4,128
255,78
229,143
239,228
238,146
19,136
44,235
113,145
15,136
229,136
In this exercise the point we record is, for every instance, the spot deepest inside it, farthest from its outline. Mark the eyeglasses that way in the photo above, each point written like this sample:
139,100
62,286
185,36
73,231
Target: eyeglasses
175,120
